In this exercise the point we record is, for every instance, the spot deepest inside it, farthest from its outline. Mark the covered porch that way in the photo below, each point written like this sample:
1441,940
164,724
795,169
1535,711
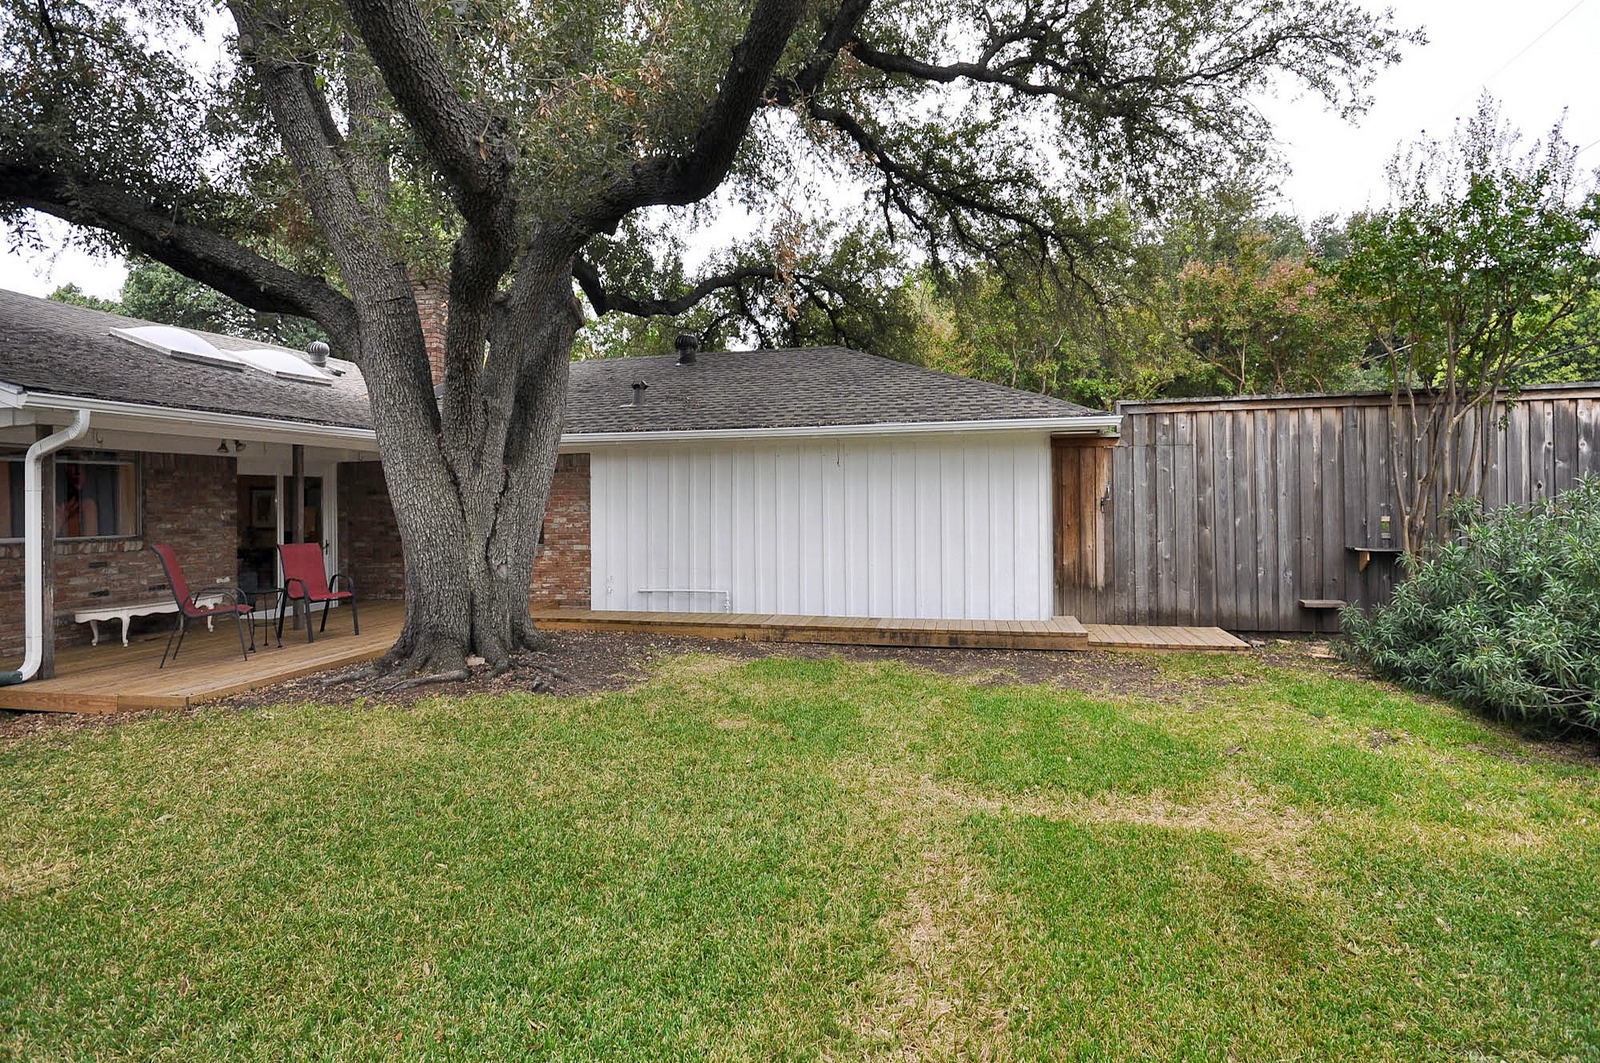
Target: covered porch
112,678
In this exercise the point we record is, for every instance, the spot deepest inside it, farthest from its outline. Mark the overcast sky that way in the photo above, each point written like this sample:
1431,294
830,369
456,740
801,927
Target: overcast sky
1538,57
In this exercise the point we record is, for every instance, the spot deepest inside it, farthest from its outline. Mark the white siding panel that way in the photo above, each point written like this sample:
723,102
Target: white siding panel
906,527
880,531
855,515
1002,520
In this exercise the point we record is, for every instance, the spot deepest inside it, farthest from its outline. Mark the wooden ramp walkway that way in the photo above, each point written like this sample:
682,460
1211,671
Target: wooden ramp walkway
1164,639
112,677
1059,633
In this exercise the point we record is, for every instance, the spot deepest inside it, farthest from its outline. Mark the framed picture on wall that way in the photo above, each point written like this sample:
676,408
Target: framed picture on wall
263,507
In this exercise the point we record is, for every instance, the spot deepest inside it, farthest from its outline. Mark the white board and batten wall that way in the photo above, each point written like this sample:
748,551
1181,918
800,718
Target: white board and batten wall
939,526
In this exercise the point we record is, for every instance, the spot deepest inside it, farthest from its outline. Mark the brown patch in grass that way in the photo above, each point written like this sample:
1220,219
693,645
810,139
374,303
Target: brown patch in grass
1257,828
34,877
941,999
1381,739
952,931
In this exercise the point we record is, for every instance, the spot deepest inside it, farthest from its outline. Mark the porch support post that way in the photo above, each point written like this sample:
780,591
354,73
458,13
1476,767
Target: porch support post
47,559
297,518
297,491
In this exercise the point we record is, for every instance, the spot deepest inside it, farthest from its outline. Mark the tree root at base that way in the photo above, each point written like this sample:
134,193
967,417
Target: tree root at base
453,676
552,671
350,675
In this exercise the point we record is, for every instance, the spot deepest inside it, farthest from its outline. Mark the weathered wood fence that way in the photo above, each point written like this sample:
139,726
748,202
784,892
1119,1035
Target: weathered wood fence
1259,514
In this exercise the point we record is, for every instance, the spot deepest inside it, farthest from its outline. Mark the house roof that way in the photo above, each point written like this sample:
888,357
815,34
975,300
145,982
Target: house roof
797,388
57,348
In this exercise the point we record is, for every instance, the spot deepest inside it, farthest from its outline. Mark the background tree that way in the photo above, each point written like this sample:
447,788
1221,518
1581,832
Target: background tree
1103,333
338,150
1467,278
1269,324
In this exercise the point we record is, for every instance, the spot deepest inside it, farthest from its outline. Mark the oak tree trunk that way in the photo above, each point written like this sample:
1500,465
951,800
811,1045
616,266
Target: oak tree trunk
469,496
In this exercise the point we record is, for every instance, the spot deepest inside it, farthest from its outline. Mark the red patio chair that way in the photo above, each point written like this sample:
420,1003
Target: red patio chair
189,609
302,581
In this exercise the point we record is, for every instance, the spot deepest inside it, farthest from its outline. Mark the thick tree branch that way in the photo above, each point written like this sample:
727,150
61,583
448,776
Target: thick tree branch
466,141
469,145
1086,80
315,147
366,125
191,249
683,179
604,301
814,71
959,196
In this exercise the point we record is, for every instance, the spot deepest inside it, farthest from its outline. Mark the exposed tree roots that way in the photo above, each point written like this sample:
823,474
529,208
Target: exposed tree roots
552,671
410,665
350,675
454,676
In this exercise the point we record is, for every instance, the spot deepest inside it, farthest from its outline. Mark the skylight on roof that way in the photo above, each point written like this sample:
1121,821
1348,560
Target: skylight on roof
185,345
180,343
285,364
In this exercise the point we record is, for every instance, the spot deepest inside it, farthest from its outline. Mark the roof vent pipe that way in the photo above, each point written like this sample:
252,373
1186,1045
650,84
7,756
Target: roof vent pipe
638,392
688,345
317,353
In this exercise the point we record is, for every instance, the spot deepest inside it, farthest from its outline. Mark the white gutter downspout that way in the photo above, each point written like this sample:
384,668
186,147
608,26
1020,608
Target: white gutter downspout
33,575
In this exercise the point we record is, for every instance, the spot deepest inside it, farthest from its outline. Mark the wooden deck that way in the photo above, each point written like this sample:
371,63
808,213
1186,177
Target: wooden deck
1059,633
111,677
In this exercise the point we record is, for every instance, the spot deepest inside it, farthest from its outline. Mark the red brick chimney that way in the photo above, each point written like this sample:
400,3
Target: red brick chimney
433,308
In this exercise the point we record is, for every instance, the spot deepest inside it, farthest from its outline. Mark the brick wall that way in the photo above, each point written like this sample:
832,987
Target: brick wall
561,571
369,540
188,501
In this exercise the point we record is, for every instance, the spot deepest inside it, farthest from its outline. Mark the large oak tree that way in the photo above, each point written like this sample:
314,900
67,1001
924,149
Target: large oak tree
331,152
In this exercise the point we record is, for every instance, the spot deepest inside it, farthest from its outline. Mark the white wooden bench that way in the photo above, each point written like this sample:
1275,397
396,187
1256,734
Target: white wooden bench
124,613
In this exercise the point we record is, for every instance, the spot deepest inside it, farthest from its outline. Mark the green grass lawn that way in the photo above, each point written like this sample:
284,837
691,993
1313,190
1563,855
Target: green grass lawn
783,859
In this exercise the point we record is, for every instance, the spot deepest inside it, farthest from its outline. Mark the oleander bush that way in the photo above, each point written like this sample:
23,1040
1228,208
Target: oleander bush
1504,618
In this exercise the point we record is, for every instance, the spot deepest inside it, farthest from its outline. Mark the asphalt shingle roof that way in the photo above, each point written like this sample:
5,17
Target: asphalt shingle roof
804,387
56,347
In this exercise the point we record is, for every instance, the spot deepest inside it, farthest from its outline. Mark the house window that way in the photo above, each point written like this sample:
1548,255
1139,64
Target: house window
97,495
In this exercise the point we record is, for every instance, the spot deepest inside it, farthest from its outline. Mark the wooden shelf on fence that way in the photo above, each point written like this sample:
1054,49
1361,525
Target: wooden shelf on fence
1366,554
1323,603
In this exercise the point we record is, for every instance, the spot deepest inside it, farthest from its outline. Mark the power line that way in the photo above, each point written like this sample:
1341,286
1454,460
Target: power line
1455,107
1527,47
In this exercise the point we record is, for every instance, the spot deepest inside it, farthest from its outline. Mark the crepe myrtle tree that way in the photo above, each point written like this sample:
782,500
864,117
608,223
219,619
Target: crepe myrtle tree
314,157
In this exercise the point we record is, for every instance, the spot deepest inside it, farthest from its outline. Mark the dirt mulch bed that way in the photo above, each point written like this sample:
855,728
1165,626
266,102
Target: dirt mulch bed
589,662
580,663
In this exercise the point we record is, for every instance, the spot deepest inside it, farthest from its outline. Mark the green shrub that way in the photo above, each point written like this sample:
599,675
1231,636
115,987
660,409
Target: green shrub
1505,618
